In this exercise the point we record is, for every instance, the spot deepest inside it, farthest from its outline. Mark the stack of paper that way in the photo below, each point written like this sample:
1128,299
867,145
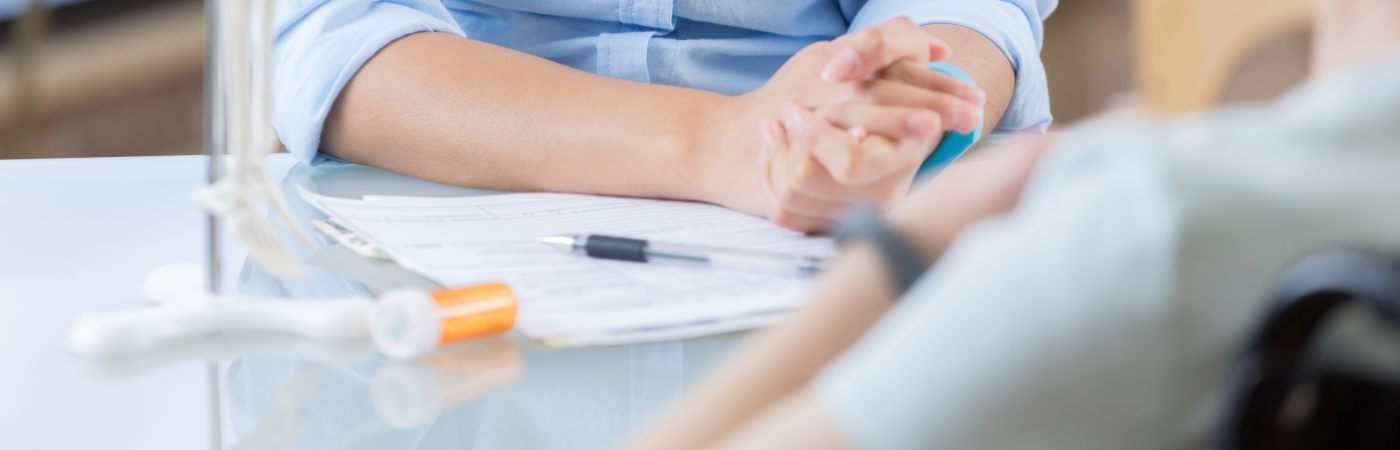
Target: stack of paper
567,299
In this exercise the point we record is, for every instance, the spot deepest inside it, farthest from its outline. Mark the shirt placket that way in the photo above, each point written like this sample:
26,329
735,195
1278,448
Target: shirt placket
624,54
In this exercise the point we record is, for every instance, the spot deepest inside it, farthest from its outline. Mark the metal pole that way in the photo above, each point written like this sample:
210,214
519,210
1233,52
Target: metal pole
214,151
213,138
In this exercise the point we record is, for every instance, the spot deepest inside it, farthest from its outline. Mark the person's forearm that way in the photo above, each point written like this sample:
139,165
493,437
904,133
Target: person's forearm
772,365
984,62
453,110
851,296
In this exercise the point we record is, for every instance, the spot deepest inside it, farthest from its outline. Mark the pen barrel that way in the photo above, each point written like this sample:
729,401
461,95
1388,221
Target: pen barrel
736,258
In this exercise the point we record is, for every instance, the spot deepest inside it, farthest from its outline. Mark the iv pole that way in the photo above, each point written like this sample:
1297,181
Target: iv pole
213,143
214,151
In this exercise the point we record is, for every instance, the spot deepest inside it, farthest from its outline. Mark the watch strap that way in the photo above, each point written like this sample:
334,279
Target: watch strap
864,222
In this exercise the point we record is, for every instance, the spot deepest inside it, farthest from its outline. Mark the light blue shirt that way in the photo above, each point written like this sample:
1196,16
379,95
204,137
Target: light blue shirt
725,46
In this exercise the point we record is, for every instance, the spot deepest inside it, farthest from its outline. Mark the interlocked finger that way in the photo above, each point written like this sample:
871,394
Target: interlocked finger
956,113
862,54
915,74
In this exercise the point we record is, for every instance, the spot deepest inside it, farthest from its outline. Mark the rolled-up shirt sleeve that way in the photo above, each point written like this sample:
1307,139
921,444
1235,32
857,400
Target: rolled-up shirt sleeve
1015,26
321,44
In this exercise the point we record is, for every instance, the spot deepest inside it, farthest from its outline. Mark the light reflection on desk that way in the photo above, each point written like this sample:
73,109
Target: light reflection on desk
504,392
415,393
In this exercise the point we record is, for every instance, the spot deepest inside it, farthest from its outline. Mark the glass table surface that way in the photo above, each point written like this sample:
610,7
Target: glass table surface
270,391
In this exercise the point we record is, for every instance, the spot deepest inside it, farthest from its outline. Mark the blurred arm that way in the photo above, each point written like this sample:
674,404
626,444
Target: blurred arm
779,363
780,360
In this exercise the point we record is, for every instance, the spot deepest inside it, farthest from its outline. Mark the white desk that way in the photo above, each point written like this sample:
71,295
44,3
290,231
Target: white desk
80,235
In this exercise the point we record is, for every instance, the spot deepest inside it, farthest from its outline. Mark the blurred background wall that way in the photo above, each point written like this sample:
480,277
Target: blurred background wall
100,77
1092,50
123,77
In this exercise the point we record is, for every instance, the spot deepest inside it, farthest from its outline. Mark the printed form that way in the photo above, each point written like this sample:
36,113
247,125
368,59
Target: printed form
568,299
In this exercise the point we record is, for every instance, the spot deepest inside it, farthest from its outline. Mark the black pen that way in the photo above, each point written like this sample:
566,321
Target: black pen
639,250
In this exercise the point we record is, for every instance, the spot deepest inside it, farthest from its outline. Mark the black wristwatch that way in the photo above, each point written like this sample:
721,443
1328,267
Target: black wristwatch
865,223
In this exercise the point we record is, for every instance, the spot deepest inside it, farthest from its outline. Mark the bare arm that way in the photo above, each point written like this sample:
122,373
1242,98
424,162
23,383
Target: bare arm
986,63
771,365
760,393
457,111
730,404
453,110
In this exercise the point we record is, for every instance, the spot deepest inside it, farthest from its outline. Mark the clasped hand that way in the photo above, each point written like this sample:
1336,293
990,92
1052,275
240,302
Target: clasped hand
850,120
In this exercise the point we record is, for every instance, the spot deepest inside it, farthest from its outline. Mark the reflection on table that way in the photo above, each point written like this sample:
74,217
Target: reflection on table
502,392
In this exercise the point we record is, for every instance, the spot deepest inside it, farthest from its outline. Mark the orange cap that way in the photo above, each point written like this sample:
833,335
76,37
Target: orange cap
475,311
409,322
